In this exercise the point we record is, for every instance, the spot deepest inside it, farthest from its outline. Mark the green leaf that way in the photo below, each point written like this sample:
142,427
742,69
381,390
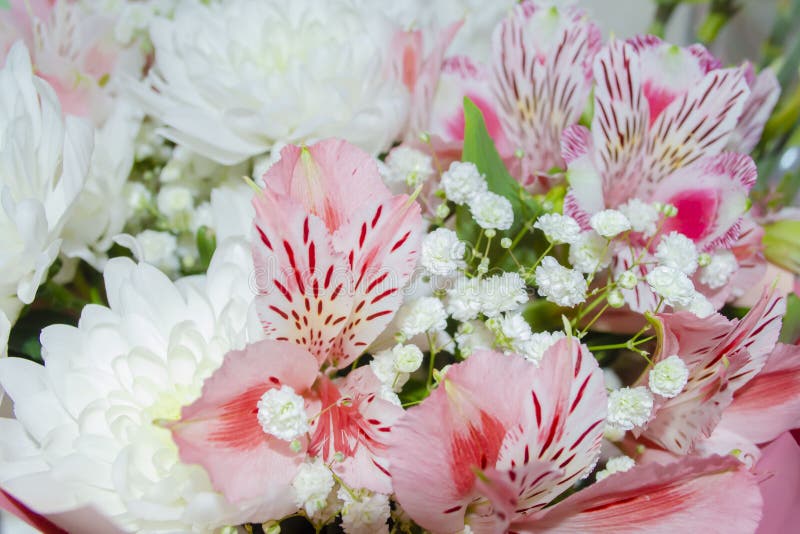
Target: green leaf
781,245
479,148
790,331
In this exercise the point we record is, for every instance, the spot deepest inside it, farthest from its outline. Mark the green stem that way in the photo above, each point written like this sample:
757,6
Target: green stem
432,352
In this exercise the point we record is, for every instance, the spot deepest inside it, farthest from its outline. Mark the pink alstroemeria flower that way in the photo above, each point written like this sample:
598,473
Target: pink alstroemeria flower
723,357
662,117
221,430
542,77
334,249
499,438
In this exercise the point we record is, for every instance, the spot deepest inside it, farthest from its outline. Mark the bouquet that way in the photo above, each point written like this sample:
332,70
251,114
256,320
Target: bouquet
444,266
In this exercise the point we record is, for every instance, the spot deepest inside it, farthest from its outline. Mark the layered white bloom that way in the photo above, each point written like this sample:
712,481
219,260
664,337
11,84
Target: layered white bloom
409,166
719,270
364,513
464,299
281,413
589,253
610,223
642,216
699,305
618,464
492,211
88,427
677,251
558,228
502,293
312,484
668,377
471,336
407,358
534,347
383,367
463,182
426,314
629,407
44,161
565,287
442,252
514,328
262,72
671,284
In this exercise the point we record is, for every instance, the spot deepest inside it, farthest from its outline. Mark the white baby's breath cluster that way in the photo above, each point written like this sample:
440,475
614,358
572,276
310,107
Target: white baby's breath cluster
618,464
558,284
425,314
463,182
409,166
668,377
629,408
610,223
558,228
442,252
642,216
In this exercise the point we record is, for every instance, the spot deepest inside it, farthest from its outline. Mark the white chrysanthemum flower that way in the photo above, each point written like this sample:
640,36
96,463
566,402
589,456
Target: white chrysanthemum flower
589,253
668,377
426,314
471,336
464,299
281,413
312,484
502,293
618,464
492,211
442,252
565,287
462,182
534,348
719,270
44,160
407,358
677,251
671,284
642,216
262,72
159,249
610,223
365,512
109,383
558,228
409,166
629,407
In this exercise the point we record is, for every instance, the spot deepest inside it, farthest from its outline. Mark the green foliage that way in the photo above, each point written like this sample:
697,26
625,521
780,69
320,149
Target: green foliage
781,244
790,332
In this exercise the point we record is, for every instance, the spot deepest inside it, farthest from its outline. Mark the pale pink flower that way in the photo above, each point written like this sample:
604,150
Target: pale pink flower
333,250
499,438
541,78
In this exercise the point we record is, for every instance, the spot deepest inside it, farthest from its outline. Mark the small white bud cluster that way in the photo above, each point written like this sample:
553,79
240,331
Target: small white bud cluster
408,165
610,223
558,228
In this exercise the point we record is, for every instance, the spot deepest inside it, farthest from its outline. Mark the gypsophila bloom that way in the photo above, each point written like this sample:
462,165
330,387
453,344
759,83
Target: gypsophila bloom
589,253
671,284
700,306
565,287
609,223
472,336
618,464
175,202
719,270
514,327
281,412
426,314
642,216
502,293
464,299
312,484
629,407
615,298
407,358
364,513
558,228
138,197
387,393
159,249
383,367
534,347
492,211
668,377
627,280
677,251
462,182
409,165
442,252
612,433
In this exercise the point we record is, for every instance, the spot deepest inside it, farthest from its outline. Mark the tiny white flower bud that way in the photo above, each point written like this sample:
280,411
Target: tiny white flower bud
627,280
615,298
